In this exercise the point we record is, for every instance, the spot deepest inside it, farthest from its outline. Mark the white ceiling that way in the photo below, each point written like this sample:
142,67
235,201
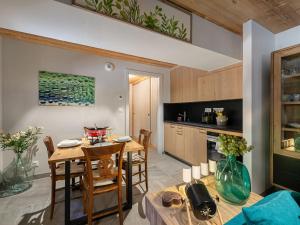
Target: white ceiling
53,19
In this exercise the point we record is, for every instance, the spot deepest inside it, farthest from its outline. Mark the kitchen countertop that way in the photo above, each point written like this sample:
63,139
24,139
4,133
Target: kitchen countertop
209,126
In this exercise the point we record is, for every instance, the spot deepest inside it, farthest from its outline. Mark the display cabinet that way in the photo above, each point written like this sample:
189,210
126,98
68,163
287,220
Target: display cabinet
285,118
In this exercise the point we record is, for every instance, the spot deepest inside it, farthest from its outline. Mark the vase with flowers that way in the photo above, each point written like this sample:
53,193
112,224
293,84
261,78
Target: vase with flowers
232,177
16,177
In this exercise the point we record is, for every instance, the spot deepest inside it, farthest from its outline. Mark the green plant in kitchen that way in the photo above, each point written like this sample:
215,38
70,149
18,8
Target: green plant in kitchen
233,145
129,10
232,177
151,19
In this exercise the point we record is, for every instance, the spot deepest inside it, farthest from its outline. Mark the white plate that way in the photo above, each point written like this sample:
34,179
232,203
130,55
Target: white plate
122,139
69,143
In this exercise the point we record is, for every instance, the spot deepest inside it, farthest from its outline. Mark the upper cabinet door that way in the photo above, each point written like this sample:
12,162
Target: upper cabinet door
206,88
184,87
229,83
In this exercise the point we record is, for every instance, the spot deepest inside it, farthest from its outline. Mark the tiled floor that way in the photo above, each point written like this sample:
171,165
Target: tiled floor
32,206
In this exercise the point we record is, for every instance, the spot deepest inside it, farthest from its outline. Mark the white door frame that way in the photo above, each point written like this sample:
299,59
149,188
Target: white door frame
160,123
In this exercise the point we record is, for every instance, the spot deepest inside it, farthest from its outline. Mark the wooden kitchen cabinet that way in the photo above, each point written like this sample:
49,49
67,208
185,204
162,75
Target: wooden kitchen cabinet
180,142
195,145
186,143
229,83
170,134
184,87
192,85
206,88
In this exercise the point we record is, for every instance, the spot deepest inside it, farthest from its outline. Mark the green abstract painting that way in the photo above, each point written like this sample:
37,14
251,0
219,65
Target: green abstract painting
66,89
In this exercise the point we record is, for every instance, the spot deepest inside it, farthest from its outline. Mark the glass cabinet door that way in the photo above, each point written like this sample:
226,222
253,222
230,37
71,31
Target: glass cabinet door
290,105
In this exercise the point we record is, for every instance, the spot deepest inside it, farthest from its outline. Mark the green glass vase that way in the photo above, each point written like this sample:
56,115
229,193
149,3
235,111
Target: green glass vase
233,180
16,177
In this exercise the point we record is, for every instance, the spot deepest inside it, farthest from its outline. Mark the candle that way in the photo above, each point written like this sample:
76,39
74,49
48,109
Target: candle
186,175
196,171
212,166
204,169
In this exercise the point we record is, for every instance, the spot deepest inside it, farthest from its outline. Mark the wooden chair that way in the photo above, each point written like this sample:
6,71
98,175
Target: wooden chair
140,159
58,171
105,179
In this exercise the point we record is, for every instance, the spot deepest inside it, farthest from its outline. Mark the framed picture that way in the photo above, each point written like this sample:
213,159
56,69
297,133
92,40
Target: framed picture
61,89
157,15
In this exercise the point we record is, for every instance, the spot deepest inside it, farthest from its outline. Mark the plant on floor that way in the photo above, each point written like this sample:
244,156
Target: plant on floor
232,177
16,177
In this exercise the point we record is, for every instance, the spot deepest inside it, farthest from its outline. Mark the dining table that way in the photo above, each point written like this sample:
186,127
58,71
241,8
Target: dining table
67,155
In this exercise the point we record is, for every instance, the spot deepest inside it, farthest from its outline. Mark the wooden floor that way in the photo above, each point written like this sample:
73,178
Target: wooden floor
32,206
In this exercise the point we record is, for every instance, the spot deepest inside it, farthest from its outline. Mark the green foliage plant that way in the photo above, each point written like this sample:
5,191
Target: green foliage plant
129,10
233,145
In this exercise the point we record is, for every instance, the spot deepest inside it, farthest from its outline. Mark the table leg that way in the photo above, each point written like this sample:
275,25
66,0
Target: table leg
67,193
129,181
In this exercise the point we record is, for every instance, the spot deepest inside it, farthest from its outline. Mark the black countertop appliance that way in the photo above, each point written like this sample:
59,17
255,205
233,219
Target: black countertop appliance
203,206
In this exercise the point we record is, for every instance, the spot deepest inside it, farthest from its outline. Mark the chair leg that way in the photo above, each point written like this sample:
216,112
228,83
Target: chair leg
53,190
90,209
120,207
140,175
146,176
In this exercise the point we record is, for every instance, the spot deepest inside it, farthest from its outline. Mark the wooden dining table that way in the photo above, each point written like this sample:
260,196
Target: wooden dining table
67,155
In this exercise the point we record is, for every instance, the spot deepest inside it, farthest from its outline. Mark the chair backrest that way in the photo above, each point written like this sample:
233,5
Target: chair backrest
106,169
50,149
144,139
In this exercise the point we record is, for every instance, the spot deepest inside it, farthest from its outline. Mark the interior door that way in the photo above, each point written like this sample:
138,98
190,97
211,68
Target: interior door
141,106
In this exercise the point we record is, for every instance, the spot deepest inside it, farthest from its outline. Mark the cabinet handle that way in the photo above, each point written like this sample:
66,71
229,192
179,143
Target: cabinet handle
179,133
172,126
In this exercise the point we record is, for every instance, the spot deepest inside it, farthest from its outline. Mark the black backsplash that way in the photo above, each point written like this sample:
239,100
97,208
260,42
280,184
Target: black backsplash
232,108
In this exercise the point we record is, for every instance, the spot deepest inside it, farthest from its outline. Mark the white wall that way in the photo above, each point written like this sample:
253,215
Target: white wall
21,63
64,22
258,44
211,36
287,38
1,106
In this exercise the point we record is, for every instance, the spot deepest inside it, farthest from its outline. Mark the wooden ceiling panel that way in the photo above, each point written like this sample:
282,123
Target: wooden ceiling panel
275,15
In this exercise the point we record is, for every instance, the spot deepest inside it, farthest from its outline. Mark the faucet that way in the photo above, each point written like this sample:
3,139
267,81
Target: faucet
184,116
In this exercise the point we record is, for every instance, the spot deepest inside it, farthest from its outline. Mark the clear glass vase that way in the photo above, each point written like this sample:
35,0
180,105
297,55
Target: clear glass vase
233,181
17,176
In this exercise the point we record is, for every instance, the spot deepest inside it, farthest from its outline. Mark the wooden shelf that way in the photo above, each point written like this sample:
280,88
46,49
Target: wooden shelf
291,76
291,103
288,152
291,129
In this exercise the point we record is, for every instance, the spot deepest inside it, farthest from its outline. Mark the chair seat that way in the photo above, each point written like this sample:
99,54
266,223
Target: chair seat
75,169
136,159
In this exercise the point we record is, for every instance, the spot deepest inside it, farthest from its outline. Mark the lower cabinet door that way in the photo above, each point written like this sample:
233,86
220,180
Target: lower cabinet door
195,145
179,142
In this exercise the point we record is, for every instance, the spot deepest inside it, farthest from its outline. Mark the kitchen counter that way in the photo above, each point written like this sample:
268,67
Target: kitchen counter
231,130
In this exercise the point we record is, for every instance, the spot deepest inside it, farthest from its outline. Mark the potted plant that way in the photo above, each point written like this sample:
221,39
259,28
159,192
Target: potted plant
16,177
232,177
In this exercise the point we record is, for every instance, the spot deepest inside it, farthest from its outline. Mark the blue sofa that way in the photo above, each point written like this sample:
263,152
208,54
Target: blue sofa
240,220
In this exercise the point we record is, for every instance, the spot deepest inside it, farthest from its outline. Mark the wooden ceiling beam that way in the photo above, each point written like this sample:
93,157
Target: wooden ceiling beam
82,48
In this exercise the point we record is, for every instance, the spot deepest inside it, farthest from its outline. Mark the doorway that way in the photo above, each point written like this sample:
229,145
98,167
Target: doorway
143,105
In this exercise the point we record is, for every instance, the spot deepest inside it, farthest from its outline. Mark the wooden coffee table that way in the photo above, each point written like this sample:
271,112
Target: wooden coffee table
159,215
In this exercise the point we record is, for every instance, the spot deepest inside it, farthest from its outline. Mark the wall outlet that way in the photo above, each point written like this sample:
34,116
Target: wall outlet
35,163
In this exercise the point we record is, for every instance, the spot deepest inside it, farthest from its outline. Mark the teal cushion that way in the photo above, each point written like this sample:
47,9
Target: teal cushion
279,209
